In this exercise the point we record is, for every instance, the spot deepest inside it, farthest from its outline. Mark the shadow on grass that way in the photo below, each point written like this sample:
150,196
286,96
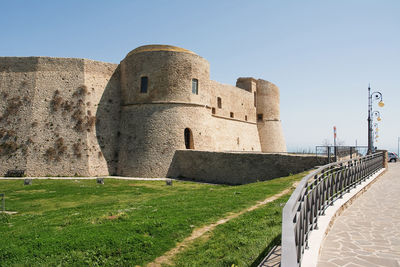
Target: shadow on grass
276,241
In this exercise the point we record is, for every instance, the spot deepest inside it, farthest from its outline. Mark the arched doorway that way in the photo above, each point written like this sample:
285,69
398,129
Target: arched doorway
188,139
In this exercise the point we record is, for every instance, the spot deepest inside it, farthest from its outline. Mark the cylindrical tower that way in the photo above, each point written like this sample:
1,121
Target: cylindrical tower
165,99
268,118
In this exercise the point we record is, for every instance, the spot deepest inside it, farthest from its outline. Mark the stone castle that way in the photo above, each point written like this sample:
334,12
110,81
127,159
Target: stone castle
68,116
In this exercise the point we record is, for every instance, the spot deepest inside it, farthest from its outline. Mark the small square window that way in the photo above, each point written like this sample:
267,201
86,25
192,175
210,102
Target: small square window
213,110
232,115
143,84
245,117
195,86
259,117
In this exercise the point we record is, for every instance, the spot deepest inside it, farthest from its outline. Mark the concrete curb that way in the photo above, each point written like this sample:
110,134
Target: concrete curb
317,237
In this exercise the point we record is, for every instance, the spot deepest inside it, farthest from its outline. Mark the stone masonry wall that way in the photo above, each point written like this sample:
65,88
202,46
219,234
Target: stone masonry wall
48,122
103,111
237,168
17,84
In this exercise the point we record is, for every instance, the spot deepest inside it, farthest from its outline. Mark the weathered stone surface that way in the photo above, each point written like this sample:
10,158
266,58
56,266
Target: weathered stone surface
236,168
68,116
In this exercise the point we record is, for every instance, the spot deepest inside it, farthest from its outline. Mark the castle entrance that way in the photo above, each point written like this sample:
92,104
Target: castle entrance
188,139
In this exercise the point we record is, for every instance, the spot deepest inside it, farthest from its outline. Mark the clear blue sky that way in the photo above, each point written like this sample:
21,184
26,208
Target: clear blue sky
322,54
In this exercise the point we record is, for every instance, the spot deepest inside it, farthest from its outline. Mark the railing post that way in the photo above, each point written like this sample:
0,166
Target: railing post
313,195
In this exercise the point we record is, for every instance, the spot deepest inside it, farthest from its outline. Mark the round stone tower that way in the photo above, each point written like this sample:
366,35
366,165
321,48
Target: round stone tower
268,117
165,99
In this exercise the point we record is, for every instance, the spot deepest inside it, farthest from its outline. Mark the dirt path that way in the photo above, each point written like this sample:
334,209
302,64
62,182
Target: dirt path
165,259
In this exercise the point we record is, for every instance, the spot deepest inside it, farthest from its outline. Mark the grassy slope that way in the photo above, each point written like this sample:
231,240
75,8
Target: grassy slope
239,242
119,223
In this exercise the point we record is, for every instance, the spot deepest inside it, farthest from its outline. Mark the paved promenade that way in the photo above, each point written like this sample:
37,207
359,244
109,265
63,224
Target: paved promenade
367,233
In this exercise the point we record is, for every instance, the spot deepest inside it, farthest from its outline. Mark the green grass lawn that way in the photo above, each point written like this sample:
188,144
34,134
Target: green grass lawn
243,241
123,222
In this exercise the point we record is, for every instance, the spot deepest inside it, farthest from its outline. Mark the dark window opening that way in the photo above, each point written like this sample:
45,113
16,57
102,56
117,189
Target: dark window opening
259,117
231,115
143,84
195,86
188,139
245,117
255,99
213,110
219,102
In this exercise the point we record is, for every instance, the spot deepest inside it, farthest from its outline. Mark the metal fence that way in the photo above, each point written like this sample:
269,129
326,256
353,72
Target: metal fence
314,194
339,153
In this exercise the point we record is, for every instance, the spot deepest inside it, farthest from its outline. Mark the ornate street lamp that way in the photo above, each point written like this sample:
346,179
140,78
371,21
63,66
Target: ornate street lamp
378,97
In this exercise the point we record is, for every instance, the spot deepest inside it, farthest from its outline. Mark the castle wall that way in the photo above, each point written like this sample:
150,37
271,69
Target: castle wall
103,110
237,168
65,116
150,134
169,75
50,116
269,127
148,144
57,100
17,85
233,135
233,99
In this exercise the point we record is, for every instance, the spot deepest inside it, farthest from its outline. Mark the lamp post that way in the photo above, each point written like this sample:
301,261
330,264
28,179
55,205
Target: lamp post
371,97
398,146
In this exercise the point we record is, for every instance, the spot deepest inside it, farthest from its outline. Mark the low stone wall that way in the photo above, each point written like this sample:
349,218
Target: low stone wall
237,167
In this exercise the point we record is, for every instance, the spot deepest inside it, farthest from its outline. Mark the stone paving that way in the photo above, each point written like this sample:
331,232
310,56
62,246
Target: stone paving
367,233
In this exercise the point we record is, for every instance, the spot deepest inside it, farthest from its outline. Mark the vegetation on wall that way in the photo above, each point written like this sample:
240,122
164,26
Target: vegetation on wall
73,111
8,138
56,102
56,151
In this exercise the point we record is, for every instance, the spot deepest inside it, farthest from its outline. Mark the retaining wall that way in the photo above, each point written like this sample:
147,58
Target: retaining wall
237,168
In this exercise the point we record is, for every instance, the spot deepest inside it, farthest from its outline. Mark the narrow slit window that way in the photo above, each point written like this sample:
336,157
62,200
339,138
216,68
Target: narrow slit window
219,102
213,110
195,86
232,115
255,99
259,117
245,117
144,84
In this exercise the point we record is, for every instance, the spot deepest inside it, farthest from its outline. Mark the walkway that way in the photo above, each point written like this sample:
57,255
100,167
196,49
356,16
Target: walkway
367,233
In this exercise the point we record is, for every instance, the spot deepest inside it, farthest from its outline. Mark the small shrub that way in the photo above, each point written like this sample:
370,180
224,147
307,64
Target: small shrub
79,125
50,153
12,107
67,106
60,147
77,149
77,115
80,91
56,102
90,121
9,147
